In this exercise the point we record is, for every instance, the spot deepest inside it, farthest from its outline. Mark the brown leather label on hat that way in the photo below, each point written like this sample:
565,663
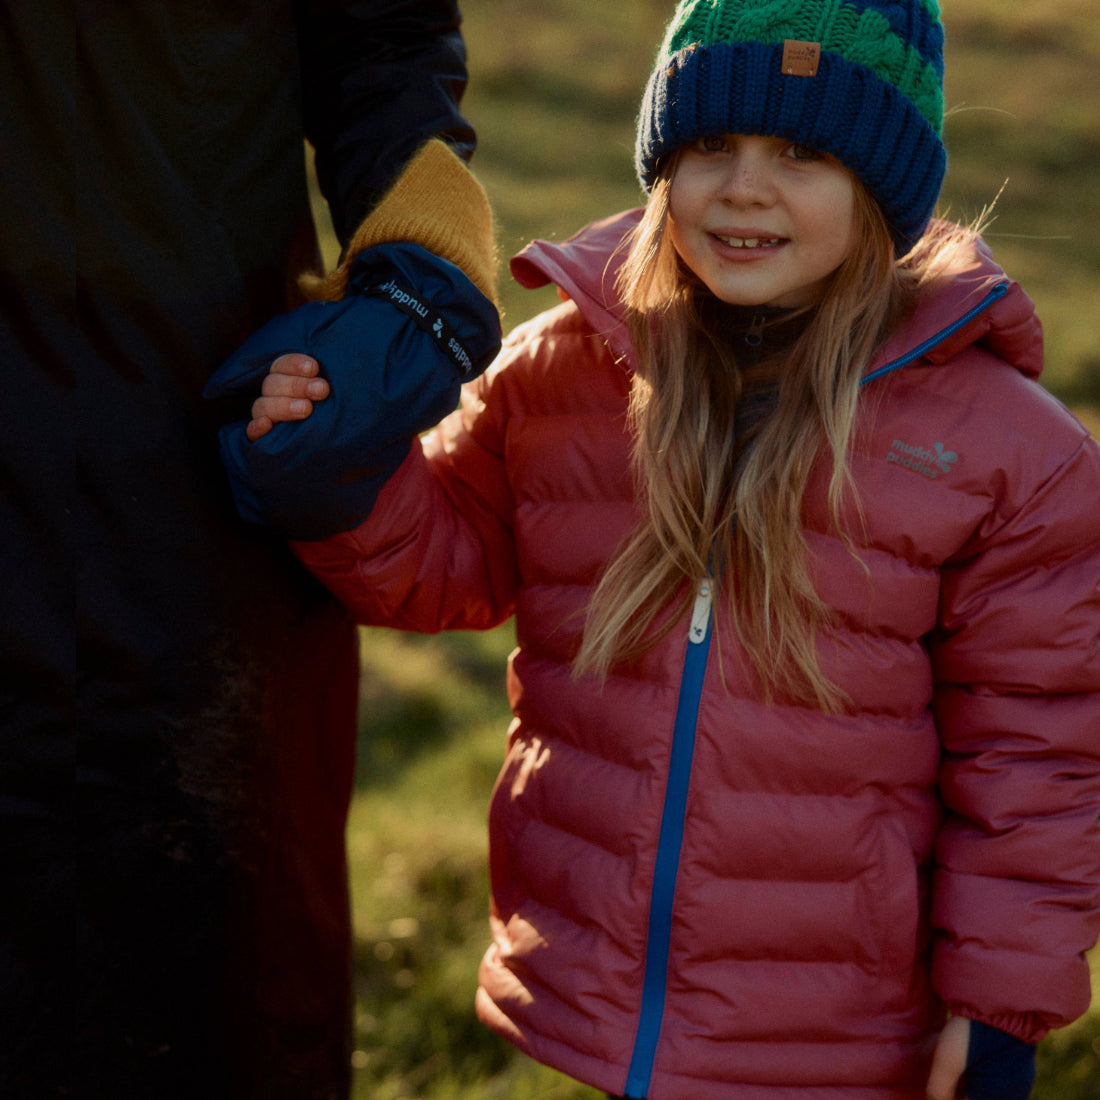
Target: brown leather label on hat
801,58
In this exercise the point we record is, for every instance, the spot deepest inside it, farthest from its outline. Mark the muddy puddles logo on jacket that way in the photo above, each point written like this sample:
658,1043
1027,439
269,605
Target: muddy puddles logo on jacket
930,462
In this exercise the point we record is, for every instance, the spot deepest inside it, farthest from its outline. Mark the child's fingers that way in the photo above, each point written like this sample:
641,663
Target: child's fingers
282,385
258,428
278,409
289,390
297,364
295,375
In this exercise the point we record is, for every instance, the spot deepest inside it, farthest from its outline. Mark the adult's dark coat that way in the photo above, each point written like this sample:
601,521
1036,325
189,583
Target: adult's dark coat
198,687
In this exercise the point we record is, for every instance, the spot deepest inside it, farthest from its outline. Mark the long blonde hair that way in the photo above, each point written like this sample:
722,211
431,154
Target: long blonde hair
714,507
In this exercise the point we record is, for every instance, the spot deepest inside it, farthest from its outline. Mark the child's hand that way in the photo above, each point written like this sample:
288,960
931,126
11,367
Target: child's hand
289,390
396,351
949,1061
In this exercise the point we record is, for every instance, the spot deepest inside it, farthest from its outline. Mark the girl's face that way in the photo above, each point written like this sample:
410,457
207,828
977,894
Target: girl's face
760,220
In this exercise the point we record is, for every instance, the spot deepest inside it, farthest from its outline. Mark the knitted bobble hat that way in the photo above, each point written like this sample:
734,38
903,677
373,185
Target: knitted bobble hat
859,79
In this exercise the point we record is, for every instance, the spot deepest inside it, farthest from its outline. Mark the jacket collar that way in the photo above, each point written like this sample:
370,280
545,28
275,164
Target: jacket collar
978,306
585,268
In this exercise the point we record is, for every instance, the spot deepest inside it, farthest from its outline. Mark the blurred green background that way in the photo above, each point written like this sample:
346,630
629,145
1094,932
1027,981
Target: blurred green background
554,89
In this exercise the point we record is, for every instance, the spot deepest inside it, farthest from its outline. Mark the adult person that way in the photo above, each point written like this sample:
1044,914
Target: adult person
156,213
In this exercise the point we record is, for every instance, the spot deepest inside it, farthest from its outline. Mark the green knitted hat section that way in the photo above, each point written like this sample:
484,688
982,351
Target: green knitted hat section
862,37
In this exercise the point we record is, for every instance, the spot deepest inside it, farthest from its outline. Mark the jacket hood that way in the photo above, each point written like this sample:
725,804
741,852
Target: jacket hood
977,305
585,267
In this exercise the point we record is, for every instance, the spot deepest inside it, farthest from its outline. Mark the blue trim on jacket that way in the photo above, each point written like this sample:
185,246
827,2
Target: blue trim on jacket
995,295
665,870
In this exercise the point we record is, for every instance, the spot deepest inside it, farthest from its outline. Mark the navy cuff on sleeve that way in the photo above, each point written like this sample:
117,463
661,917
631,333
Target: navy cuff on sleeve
998,1065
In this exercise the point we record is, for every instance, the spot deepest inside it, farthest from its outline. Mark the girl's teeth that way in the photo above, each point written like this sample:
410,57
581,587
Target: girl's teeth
749,242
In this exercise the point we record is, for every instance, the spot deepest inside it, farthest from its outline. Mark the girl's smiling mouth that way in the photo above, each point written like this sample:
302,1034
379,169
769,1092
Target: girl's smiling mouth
748,242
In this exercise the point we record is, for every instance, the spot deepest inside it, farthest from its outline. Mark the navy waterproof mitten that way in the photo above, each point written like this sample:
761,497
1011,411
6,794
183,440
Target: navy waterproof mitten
395,351
998,1065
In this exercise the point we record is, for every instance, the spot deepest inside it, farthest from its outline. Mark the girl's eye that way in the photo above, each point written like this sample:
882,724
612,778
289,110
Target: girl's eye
803,153
712,143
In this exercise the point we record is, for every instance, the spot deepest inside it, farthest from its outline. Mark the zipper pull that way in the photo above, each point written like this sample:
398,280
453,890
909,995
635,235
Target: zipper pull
700,613
754,337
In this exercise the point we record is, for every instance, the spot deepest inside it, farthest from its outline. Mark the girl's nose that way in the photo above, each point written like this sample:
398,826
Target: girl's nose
747,180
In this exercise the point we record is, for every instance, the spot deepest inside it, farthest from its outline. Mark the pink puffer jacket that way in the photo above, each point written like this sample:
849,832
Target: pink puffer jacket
699,896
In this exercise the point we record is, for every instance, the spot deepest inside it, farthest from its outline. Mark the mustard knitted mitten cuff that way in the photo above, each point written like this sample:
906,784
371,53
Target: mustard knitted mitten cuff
436,203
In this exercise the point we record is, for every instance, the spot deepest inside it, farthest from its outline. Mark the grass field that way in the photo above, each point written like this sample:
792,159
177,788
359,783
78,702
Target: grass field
555,84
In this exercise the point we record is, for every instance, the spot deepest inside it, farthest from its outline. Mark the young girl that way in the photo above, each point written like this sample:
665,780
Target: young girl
801,791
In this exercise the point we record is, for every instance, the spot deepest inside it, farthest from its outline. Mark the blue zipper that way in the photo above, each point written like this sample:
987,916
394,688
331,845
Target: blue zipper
995,295
670,840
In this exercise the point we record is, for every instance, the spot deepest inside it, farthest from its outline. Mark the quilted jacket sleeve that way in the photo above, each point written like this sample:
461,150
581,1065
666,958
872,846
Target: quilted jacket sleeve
1016,897
437,553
